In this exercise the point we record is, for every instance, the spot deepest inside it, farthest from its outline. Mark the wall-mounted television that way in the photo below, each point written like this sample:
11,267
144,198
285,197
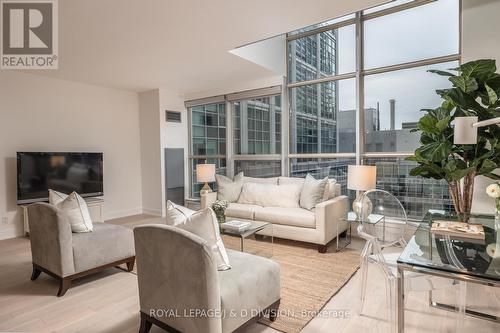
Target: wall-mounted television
37,172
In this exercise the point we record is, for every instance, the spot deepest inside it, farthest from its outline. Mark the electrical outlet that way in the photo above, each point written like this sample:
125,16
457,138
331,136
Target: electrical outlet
5,220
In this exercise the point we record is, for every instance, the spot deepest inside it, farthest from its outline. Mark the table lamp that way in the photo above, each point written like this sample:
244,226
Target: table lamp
361,178
205,173
465,131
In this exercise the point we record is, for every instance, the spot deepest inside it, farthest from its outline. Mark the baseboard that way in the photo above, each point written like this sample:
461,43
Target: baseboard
122,213
8,233
151,211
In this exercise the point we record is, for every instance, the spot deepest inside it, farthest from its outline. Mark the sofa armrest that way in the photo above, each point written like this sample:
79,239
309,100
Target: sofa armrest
51,239
208,199
328,214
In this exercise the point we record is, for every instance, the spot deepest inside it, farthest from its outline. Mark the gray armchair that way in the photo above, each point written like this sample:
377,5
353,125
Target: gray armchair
180,289
66,256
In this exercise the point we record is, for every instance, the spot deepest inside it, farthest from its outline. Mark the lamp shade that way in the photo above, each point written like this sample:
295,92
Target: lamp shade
205,173
361,177
464,132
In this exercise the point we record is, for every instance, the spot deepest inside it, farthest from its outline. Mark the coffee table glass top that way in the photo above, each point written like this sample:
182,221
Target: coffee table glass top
252,229
478,258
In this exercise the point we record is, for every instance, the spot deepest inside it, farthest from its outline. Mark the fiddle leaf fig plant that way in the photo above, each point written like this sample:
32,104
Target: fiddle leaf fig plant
475,91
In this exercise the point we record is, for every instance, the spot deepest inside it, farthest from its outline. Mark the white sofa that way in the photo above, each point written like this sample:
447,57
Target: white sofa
317,226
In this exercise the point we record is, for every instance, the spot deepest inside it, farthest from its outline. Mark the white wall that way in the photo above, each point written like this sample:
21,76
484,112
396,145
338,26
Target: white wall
274,80
480,29
175,135
151,154
269,53
43,114
156,135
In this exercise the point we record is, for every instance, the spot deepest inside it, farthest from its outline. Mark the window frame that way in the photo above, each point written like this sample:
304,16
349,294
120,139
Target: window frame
284,89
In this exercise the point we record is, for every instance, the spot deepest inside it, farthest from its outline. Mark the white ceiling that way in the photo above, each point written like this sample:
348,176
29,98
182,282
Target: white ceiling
177,45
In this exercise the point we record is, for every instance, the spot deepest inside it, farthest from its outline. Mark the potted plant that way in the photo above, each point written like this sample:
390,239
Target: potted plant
219,208
475,92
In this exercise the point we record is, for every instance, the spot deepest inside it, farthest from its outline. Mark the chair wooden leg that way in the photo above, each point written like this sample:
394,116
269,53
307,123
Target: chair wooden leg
130,265
145,324
322,248
35,274
64,285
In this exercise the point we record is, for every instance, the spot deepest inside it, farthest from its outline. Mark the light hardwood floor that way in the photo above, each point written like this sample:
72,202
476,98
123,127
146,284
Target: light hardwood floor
107,302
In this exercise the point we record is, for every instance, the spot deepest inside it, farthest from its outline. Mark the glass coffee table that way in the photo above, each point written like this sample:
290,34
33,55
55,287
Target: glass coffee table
261,232
460,259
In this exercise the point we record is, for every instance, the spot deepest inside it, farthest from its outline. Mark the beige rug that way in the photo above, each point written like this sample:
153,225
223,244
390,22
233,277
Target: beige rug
308,279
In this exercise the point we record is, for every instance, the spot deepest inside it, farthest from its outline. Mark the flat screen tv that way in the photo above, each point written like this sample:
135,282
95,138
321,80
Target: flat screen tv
37,172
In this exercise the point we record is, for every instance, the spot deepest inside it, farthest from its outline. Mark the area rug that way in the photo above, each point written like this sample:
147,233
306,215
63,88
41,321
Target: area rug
308,279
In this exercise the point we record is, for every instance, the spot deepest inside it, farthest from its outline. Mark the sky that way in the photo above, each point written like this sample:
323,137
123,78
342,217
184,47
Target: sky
427,31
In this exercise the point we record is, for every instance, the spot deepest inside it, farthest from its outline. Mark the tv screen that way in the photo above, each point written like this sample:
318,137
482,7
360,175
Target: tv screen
38,172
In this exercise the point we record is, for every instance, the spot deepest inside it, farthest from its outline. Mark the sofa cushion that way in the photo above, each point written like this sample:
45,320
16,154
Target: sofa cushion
106,244
241,211
228,189
291,180
333,190
250,286
267,195
272,180
297,217
312,192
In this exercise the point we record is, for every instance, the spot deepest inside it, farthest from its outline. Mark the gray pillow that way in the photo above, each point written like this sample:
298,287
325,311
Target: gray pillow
228,189
313,192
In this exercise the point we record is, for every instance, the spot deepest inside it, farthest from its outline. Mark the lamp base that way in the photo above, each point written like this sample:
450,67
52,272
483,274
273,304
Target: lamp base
205,189
366,206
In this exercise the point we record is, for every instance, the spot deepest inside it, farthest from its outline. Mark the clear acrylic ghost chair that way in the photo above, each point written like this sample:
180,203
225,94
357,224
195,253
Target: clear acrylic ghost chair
395,219
372,253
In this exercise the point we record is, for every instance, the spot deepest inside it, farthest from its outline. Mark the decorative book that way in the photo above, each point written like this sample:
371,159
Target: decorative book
458,229
236,225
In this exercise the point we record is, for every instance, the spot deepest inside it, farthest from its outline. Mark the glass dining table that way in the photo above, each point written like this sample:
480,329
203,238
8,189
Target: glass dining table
461,259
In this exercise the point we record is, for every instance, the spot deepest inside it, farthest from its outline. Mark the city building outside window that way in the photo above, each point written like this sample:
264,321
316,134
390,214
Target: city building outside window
370,66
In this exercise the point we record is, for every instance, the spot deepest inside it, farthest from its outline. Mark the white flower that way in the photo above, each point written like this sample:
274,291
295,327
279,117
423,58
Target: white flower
493,190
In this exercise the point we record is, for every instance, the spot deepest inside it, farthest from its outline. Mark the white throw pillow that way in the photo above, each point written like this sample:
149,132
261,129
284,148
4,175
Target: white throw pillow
75,209
56,197
268,195
228,189
177,214
330,190
313,192
203,224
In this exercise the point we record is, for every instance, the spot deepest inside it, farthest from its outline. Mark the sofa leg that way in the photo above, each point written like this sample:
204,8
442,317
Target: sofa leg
130,265
273,311
64,285
322,248
35,274
145,324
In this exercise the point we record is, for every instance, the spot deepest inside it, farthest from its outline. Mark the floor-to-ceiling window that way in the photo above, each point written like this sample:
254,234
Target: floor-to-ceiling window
257,135
208,139
354,89
357,86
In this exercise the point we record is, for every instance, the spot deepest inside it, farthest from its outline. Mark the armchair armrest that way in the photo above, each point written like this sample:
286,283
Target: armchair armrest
51,239
208,199
176,271
328,215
